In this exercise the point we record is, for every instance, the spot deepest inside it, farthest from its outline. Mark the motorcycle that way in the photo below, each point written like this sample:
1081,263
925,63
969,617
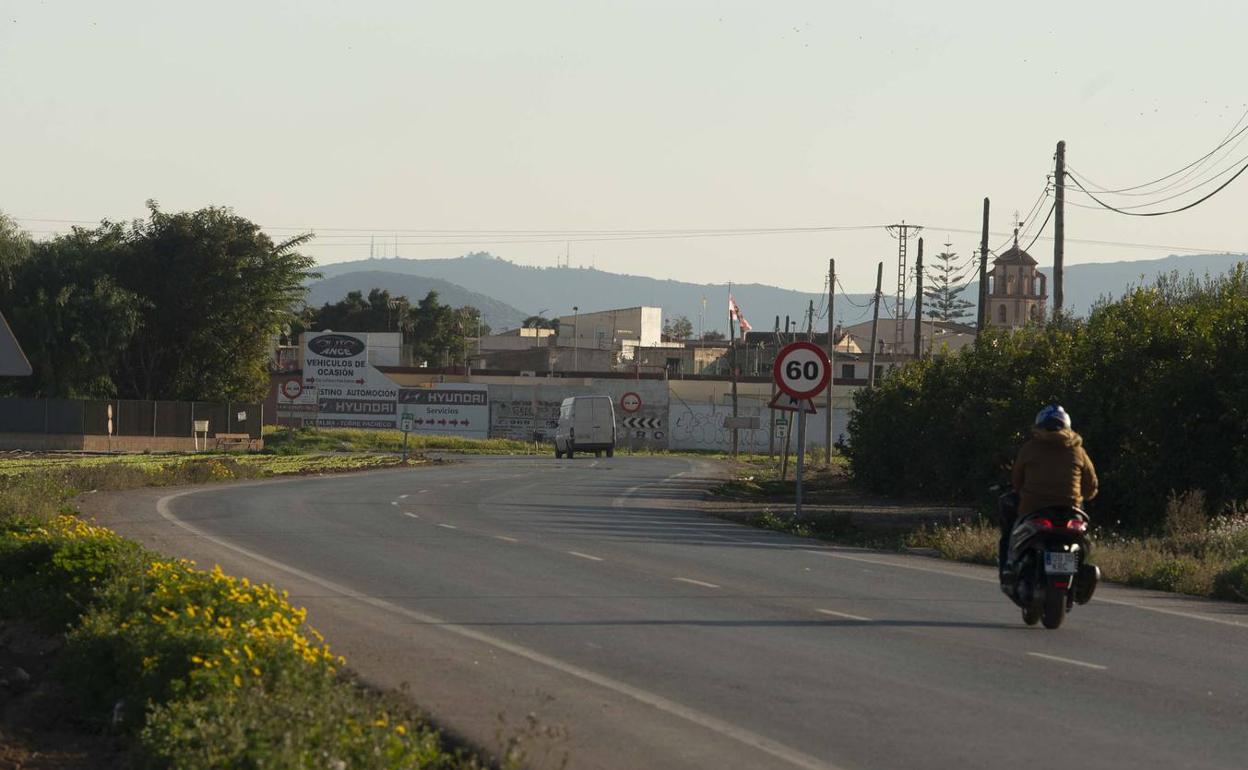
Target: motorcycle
1049,572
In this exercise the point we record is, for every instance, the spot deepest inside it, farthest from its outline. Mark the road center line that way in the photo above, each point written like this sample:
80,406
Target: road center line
1096,666
845,615
691,581
506,539
403,497
729,730
580,555
409,513
448,526
394,502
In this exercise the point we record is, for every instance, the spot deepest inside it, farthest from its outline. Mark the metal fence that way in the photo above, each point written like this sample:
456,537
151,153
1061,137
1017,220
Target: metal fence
129,417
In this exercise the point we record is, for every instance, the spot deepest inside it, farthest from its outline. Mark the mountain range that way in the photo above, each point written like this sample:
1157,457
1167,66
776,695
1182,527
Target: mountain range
506,293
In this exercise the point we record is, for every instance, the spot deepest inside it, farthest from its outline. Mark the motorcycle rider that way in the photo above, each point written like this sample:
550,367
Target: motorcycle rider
1052,470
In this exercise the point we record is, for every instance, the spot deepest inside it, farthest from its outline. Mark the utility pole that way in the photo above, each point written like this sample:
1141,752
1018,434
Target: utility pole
810,320
831,357
732,346
902,233
771,434
981,315
875,322
918,303
576,332
1059,225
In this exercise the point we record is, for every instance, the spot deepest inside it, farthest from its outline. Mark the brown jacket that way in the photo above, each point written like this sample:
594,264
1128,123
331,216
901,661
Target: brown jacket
1053,470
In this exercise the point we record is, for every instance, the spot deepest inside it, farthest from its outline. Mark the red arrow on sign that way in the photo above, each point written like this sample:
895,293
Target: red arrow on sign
441,422
359,382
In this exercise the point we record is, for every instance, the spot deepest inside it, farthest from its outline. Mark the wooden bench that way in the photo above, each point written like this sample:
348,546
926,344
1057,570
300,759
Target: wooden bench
228,441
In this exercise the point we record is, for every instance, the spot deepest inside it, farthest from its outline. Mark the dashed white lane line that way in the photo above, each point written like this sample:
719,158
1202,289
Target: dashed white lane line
506,539
409,513
742,735
421,491
448,526
580,555
691,581
394,502
1096,666
403,497
845,615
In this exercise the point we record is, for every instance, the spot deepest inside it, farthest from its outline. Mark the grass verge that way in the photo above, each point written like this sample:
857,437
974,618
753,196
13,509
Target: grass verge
196,669
1193,554
40,486
298,441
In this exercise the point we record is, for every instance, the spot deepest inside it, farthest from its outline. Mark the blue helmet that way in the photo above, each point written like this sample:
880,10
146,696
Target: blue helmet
1053,417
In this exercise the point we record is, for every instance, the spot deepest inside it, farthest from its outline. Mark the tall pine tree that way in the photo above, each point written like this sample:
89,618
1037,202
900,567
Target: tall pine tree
947,283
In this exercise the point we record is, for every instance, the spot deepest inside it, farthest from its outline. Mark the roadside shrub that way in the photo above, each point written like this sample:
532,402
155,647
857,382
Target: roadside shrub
1232,583
1157,383
53,571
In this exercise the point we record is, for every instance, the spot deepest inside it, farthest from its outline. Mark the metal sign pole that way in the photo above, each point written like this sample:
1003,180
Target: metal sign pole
801,461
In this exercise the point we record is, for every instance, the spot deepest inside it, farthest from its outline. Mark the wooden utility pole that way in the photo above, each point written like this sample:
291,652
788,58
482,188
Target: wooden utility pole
981,315
732,346
831,356
1059,224
918,303
810,321
875,323
771,434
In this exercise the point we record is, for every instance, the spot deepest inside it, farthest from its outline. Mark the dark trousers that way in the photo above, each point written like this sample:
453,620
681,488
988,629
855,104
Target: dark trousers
1007,512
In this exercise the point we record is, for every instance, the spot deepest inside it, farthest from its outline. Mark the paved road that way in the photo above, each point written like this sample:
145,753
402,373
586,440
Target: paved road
590,592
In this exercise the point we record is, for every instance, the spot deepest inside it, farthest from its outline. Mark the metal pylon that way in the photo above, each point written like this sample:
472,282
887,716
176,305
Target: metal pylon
902,233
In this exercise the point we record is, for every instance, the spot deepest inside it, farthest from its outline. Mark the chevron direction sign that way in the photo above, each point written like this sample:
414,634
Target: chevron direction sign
642,422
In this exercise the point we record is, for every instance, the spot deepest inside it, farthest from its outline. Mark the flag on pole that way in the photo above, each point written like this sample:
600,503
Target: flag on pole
734,312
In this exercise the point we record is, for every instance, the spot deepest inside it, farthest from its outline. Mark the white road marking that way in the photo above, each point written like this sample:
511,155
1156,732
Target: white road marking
448,526
1096,666
394,502
409,513
421,491
506,539
845,615
580,555
403,497
727,729
702,583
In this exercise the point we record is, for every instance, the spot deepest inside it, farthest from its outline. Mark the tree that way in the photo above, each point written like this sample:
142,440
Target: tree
946,286
356,313
67,311
538,322
215,288
677,329
714,335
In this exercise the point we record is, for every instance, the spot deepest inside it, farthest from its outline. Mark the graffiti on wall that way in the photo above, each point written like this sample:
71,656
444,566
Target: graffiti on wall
517,420
701,426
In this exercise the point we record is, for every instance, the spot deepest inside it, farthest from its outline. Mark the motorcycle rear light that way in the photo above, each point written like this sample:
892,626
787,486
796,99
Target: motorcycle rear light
1078,525
1043,523
1061,585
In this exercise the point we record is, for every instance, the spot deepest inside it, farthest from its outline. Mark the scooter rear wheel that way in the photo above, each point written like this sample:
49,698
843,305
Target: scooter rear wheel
1054,608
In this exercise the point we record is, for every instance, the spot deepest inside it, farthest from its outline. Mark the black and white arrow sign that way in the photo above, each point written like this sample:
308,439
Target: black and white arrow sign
642,422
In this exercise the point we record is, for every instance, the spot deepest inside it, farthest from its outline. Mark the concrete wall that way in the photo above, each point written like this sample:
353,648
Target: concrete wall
519,410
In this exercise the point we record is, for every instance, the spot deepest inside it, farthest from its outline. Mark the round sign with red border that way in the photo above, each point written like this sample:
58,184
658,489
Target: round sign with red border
802,369
292,389
630,401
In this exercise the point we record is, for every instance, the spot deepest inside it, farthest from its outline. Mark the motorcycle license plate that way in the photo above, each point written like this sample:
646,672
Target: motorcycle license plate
1061,563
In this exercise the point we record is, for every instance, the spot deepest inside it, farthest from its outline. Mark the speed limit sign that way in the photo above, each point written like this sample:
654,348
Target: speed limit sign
802,369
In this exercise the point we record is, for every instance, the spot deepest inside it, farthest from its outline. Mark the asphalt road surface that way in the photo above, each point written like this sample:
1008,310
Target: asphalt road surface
592,594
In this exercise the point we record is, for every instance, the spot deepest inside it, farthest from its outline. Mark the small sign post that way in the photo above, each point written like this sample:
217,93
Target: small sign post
802,370
406,424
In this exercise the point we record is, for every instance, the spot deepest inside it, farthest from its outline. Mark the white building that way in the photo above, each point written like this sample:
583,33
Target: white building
611,329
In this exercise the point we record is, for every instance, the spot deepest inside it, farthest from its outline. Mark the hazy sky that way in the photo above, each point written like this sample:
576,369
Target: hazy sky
600,116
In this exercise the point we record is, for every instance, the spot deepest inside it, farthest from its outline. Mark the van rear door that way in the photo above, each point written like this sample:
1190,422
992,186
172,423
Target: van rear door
583,420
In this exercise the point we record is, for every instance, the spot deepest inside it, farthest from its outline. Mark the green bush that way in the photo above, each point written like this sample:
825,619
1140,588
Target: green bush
1232,583
1157,383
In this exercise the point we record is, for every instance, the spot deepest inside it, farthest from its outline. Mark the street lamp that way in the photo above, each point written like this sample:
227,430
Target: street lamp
576,349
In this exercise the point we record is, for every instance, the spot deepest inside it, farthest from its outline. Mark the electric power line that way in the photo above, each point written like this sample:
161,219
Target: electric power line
1193,204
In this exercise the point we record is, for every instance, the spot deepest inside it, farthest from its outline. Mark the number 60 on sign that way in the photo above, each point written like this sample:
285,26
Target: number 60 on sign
801,369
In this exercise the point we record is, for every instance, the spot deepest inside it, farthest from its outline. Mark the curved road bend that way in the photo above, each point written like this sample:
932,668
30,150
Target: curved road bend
592,593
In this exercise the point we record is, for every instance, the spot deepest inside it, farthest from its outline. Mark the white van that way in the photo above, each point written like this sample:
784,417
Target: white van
586,424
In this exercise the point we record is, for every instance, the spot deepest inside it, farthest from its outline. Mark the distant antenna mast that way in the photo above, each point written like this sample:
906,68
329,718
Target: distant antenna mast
372,243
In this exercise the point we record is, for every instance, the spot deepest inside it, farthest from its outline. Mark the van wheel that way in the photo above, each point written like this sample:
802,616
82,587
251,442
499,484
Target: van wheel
568,454
597,453
611,452
558,454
